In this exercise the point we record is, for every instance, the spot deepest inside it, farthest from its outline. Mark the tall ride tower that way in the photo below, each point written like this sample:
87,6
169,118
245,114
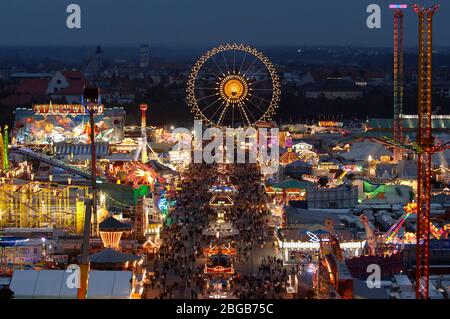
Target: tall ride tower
144,155
398,77
426,147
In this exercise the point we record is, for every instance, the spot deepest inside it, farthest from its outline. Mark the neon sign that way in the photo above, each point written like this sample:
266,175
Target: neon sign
64,109
330,124
312,237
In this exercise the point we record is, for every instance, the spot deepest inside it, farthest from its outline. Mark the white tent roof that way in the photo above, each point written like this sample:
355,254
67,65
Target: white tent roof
109,284
66,292
52,284
48,283
23,283
360,151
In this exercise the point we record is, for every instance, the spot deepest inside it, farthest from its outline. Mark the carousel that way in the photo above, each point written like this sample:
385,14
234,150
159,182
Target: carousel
111,231
219,248
219,264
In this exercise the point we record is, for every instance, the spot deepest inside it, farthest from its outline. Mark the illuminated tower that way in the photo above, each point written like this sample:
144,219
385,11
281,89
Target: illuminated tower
144,156
143,56
425,143
2,152
398,77
5,150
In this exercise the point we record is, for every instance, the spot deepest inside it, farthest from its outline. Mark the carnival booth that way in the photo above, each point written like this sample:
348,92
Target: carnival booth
287,190
293,242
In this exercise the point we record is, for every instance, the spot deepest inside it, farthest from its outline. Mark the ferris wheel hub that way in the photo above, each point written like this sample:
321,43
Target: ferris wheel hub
233,89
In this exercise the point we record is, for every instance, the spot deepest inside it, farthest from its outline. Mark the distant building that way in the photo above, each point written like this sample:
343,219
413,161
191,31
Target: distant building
67,86
144,58
5,74
332,89
98,57
30,75
94,63
30,89
376,78
441,88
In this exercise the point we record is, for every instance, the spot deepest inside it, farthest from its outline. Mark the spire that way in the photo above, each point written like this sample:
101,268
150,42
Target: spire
2,161
5,149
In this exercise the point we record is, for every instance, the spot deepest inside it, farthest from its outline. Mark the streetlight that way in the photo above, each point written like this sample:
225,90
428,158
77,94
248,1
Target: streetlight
91,102
43,253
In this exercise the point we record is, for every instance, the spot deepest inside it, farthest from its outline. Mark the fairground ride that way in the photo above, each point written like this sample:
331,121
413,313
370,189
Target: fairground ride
38,205
424,147
233,85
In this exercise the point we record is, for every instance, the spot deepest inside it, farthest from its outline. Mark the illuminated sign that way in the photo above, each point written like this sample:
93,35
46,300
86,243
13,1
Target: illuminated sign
330,124
63,109
316,245
312,237
398,6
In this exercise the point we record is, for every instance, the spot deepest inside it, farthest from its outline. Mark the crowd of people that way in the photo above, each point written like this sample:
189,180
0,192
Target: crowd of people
177,274
249,210
178,267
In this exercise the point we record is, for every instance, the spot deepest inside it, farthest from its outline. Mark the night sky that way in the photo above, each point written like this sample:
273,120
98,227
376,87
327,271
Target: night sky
208,22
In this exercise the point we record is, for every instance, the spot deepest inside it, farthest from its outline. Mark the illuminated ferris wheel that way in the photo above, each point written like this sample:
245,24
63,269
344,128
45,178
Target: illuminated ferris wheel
233,86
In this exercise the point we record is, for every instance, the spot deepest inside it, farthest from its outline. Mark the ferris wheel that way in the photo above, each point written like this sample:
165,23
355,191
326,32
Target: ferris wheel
233,86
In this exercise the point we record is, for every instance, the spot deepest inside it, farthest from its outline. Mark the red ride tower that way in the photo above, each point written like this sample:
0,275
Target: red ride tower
398,78
426,148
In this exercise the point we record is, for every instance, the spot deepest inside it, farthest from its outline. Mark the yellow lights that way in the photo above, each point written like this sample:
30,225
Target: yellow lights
411,208
111,239
233,89
147,176
385,159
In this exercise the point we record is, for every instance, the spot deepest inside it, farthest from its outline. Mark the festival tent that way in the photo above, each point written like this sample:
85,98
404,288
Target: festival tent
360,151
50,284
291,184
109,284
23,283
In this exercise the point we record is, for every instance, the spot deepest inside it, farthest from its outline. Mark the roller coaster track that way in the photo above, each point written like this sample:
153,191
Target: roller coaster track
54,162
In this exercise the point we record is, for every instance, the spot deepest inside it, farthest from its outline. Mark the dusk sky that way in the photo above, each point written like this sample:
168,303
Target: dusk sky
206,22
